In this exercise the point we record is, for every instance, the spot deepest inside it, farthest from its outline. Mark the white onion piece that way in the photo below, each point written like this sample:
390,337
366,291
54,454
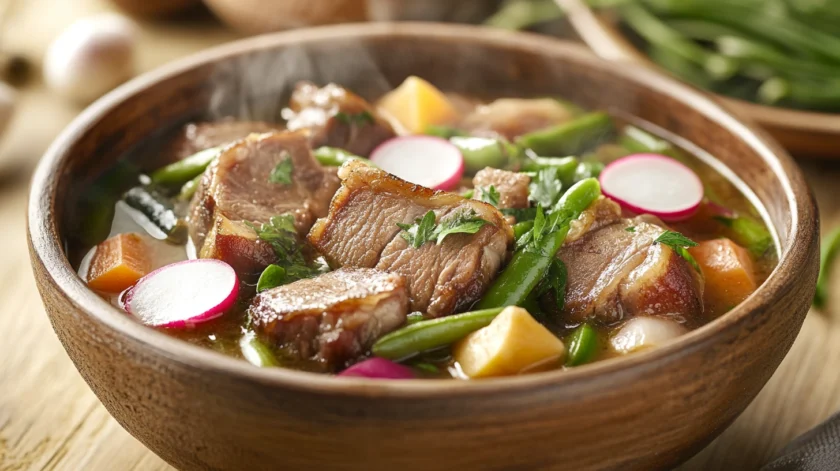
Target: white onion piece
641,332
91,57
423,160
183,294
653,184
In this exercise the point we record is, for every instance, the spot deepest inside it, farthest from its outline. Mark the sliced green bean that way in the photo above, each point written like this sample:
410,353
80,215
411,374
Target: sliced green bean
748,233
159,210
822,96
565,166
583,344
829,249
529,265
185,170
431,334
570,138
414,318
589,169
481,152
445,132
520,228
522,14
335,157
189,188
256,352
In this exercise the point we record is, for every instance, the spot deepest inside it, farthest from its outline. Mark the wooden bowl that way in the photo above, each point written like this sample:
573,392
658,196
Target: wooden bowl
803,133
198,409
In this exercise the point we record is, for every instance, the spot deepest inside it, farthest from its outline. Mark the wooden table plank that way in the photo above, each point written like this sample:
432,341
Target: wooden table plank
49,419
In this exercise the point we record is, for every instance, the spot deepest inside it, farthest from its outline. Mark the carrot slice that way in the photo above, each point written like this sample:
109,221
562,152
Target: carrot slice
118,263
729,273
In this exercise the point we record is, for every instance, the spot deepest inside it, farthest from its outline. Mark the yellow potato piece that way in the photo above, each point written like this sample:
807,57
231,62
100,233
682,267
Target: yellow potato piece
514,342
416,104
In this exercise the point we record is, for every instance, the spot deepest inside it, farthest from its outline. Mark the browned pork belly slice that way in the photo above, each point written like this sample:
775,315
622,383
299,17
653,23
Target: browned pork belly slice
239,246
336,117
333,318
512,186
513,117
195,137
615,274
237,185
361,231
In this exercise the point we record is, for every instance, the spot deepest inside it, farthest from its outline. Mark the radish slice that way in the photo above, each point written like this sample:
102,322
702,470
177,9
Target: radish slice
378,368
653,184
183,294
424,160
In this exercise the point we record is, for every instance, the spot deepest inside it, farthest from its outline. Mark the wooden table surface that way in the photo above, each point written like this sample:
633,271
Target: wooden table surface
49,419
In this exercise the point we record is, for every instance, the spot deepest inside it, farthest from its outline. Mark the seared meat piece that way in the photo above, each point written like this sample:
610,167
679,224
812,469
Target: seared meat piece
614,274
237,186
238,245
512,186
337,117
332,318
196,137
361,231
512,117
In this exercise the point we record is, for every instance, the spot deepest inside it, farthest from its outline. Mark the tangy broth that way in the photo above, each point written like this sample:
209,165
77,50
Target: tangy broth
724,223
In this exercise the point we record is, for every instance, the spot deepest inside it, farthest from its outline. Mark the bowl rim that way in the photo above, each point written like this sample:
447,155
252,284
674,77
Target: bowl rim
47,248
607,42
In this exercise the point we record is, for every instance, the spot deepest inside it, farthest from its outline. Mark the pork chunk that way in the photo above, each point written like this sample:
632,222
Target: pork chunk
615,274
513,117
237,186
195,137
512,186
237,244
336,117
361,231
332,318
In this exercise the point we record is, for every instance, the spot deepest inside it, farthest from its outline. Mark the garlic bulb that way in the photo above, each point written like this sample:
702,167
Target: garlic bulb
91,57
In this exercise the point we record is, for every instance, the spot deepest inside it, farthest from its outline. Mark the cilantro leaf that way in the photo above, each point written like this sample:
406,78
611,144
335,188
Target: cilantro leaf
282,173
630,229
520,214
543,226
361,118
554,281
490,195
421,231
679,243
271,277
425,229
546,189
281,235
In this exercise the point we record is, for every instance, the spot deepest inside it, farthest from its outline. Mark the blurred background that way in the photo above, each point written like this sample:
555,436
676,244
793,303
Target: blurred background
774,61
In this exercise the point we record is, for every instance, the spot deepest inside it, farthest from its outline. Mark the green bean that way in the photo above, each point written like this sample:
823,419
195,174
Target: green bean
590,169
583,344
159,210
522,14
700,30
520,214
189,188
780,61
824,95
570,138
481,152
520,228
185,170
335,157
445,132
829,249
749,233
414,318
680,67
637,140
565,166
656,32
528,266
256,352
430,334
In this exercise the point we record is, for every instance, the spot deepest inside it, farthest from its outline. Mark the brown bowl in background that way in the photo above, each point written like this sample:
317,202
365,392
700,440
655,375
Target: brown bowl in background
199,409
803,133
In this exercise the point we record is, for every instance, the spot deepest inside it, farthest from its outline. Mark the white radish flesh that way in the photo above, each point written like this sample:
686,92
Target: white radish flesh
653,184
183,294
644,332
423,160
90,57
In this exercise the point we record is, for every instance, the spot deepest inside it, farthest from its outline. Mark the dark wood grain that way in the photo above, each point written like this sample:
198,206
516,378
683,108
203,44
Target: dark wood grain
806,134
201,410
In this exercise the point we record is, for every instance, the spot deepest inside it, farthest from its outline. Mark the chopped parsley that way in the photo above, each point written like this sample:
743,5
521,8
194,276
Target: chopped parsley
679,243
426,229
546,189
281,235
630,229
543,226
359,119
554,282
490,195
282,173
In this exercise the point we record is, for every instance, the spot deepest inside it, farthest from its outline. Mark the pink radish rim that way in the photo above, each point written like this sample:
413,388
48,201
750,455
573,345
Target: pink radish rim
446,185
217,311
671,216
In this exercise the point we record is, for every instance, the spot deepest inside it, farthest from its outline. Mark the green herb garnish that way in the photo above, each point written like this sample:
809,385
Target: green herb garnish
546,189
543,226
554,282
361,118
490,195
749,233
281,234
282,173
425,229
272,276
679,243
630,229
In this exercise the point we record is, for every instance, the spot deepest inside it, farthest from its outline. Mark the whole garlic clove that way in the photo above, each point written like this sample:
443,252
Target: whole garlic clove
91,57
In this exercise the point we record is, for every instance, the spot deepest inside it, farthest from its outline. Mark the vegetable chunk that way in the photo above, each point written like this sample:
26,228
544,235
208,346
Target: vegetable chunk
118,263
514,342
729,273
416,104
